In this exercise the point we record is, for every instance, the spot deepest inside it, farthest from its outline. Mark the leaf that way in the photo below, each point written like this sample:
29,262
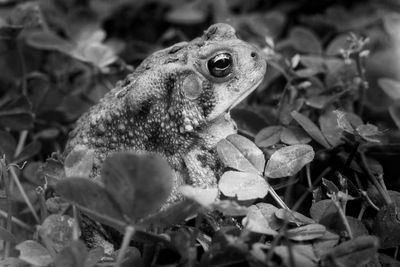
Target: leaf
34,253
230,208
79,162
339,43
6,235
325,243
357,227
325,212
134,179
240,153
306,232
387,225
292,135
355,252
305,40
390,87
16,113
289,160
300,259
243,185
261,219
330,128
72,256
268,136
57,231
7,145
293,217
205,197
93,198
310,128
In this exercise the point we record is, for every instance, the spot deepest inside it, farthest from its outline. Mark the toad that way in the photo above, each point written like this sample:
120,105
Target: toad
175,104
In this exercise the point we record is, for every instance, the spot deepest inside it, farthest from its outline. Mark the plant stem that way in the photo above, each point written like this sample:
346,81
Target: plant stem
308,173
129,231
373,179
21,142
344,219
363,86
281,101
23,193
277,198
352,155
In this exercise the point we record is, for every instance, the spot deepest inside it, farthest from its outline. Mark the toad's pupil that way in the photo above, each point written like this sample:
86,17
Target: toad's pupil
220,65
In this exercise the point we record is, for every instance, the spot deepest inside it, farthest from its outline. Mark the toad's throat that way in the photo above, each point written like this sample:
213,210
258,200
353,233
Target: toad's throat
245,94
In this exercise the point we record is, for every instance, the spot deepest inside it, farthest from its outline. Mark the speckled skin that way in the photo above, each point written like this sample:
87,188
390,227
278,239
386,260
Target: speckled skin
172,105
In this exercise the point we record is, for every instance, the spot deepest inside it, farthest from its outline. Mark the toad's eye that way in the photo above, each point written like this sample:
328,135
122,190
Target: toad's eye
220,65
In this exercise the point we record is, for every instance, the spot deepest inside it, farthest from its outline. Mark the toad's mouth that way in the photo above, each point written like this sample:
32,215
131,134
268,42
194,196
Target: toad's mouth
243,96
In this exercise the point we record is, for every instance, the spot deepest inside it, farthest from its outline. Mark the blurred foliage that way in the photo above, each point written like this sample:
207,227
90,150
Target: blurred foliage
319,136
